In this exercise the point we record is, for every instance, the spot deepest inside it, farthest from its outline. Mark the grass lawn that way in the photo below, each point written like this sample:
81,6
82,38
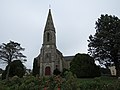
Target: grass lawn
98,79
99,83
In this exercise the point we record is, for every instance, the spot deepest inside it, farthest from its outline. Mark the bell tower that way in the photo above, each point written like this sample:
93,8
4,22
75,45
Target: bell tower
50,58
49,37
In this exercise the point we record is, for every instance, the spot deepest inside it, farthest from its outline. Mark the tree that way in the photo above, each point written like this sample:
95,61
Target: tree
105,71
36,67
104,46
16,69
10,52
1,70
84,67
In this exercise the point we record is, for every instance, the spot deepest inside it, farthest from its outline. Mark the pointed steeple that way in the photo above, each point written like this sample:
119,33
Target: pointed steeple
49,37
49,23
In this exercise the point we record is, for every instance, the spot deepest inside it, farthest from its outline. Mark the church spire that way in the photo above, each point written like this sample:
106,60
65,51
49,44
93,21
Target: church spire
49,31
49,24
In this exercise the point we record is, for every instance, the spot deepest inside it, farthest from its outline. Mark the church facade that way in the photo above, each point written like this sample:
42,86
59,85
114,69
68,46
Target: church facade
50,57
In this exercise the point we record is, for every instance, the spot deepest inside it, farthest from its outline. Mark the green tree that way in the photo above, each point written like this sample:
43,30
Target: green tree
104,46
36,67
10,52
16,69
83,66
1,70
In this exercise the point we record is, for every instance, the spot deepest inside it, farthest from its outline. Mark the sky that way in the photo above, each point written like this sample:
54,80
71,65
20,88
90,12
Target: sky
23,21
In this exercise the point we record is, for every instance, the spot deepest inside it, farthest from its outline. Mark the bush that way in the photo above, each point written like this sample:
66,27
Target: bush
2,86
69,82
56,72
84,66
16,69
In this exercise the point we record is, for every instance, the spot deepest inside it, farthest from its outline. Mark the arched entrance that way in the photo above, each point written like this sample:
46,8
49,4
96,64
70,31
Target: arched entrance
47,71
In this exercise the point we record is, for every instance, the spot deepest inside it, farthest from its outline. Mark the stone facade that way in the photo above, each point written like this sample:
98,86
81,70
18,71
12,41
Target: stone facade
50,57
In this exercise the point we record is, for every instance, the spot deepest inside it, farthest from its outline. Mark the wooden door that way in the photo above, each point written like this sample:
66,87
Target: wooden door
47,71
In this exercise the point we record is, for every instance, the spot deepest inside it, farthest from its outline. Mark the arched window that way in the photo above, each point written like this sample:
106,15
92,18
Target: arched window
48,37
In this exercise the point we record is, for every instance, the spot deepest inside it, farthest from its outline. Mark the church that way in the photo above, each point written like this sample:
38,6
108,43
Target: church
50,58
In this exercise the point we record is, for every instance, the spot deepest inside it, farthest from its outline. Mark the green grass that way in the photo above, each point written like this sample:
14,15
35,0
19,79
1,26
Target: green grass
99,83
98,79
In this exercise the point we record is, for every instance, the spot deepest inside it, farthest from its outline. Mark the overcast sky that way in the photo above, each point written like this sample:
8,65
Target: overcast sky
23,21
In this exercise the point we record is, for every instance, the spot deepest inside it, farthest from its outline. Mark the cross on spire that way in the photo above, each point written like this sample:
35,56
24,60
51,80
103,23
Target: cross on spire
49,6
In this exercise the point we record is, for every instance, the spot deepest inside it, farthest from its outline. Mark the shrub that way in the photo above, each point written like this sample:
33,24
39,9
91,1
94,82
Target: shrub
16,69
70,81
83,66
56,72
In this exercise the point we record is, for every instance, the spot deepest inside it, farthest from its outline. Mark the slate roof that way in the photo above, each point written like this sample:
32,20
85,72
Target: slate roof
68,58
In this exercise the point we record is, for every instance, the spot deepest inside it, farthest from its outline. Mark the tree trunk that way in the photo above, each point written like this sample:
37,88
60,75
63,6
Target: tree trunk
7,74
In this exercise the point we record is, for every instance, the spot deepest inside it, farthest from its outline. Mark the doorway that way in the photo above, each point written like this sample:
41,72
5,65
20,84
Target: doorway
47,70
